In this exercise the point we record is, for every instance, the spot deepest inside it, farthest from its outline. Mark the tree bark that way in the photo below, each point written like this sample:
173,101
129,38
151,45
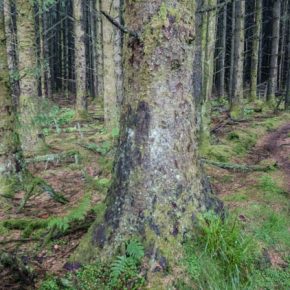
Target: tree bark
222,53
112,64
208,48
238,65
11,43
28,99
80,58
274,53
255,50
99,52
9,147
287,98
158,186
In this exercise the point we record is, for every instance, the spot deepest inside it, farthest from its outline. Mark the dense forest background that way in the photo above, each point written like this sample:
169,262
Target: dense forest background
144,144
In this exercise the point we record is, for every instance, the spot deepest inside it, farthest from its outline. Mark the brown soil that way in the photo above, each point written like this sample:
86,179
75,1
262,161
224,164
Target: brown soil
277,146
67,179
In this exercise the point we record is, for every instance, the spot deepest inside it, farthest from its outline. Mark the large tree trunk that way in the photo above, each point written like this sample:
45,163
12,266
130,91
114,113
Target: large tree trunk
112,64
80,58
28,99
9,146
255,50
158,184
238,65
274,53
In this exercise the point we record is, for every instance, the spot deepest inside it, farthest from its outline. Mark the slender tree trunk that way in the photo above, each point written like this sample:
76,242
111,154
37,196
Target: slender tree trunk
222,53
80,58
11,43
287,99
28,99
255,50
232,50
157,188
208,49
283,46
274,53
10,151
112,64
93,46
238,69
99,53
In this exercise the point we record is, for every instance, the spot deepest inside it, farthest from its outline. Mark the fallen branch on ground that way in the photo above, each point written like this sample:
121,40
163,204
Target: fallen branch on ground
239,167
69,156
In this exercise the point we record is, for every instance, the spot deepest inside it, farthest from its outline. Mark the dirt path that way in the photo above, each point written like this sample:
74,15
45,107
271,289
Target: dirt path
277,146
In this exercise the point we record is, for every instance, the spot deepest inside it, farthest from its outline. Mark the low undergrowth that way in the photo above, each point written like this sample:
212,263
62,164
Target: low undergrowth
220,256
122,273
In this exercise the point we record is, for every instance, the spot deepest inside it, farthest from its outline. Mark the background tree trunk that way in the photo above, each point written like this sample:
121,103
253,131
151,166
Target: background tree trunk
208,49
222,53
112,64
287,99
274,52
238,65
80,58
11,43
158,186
99,52
255,49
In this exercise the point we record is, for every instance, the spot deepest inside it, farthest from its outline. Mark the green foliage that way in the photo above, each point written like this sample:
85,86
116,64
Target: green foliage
78,213
274,229
28,226
220,256
103,184
122,273
103,148
125,268
135,249
271,278
269,186
115,132
49,284
236,197
51,116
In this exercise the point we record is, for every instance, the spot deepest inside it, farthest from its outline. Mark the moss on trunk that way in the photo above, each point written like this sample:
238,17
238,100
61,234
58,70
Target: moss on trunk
28,70
158,186
9,146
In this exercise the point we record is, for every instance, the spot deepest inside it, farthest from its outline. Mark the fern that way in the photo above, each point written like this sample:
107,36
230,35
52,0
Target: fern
118,267
76,214
135,249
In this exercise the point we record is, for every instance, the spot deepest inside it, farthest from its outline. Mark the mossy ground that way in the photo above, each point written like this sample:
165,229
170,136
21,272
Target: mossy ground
82,178
258,203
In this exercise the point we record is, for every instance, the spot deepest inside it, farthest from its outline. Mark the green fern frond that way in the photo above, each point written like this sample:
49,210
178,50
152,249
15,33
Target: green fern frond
119,266
135,249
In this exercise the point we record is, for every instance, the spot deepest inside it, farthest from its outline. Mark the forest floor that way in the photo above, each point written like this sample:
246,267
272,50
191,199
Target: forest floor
77,162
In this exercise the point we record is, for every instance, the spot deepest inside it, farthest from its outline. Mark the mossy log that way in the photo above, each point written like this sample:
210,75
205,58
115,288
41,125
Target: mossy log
239,167
70,156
